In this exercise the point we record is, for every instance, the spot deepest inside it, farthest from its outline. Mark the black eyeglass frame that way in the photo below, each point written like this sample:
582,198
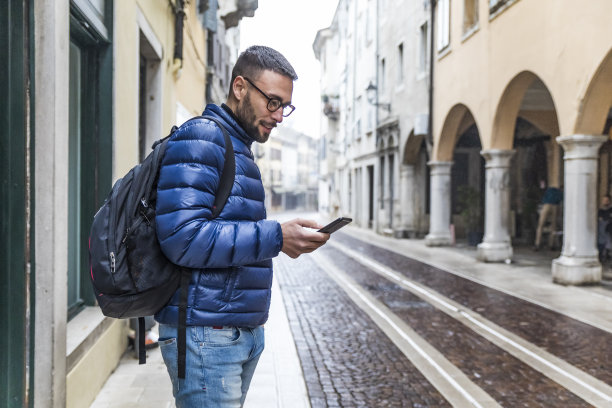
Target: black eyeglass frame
273,101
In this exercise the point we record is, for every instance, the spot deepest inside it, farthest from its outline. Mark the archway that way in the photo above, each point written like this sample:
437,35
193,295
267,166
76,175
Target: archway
467,183
414,187
526,121
453,171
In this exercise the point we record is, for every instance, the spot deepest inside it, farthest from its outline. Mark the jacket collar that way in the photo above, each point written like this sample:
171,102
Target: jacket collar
233,126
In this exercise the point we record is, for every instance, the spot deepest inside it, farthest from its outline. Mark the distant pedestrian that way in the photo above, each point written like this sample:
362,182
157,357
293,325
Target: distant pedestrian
604,228
548,213
230,256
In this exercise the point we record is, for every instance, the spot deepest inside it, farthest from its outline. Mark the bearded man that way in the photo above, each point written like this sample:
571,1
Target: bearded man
230,256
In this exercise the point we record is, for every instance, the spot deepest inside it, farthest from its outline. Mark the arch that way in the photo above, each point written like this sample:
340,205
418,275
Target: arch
597,100
380,145
458,119
525,95
412,148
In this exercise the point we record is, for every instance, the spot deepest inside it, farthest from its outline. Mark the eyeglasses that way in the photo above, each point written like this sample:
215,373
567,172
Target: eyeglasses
274,104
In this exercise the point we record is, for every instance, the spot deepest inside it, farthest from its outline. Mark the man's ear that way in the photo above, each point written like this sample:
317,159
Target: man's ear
239,88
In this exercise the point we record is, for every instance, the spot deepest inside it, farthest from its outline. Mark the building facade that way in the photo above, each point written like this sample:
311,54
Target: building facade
535,103
374,87
517,99
289,165
87,87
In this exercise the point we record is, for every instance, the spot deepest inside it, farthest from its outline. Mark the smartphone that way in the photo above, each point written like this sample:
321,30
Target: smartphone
335,225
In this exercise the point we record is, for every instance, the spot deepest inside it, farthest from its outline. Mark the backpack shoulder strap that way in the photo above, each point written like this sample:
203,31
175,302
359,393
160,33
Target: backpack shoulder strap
229,171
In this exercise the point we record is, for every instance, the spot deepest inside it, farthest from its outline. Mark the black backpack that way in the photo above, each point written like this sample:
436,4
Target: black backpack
130,274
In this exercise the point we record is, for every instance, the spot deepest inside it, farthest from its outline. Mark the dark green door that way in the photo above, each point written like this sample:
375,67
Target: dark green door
14,255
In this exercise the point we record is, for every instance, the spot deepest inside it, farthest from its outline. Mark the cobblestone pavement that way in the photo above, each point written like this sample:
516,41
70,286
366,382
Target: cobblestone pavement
578,343
509,381
347,360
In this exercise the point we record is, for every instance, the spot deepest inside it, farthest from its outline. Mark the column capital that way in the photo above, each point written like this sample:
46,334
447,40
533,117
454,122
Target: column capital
440,167
581,146
497,157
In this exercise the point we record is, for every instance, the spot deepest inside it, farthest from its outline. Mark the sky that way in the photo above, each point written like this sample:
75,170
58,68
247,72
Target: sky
290,27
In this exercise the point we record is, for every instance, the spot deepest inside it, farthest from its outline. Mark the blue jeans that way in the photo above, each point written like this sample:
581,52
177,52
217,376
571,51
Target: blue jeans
219,365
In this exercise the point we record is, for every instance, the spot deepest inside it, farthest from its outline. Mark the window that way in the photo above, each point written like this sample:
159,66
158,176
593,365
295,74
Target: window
89,142
443,24
470,15
149,89
400,62
495,5
74,177
382,75
275,154
381,181
423,48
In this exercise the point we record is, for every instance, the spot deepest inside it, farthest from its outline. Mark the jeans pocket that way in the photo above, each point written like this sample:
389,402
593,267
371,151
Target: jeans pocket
166,342
223,337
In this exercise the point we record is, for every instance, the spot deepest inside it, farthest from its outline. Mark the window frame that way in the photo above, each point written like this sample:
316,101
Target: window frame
444,20
91,173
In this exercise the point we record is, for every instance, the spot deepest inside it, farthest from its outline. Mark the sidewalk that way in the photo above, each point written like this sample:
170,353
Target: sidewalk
278,380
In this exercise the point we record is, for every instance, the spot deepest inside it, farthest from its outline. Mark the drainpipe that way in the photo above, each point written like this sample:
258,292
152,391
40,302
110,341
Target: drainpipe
432,6
179,16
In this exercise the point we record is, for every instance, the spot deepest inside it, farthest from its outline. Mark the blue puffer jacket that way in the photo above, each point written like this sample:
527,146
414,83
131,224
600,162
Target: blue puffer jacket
231,255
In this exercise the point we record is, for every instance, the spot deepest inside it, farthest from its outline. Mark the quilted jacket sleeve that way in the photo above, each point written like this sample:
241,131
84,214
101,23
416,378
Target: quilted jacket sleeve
188,180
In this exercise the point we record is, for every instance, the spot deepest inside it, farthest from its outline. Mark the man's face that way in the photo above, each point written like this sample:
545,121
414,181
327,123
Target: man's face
252,109
605,201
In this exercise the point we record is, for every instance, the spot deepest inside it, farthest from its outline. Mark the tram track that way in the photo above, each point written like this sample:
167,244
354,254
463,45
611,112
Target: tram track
432,363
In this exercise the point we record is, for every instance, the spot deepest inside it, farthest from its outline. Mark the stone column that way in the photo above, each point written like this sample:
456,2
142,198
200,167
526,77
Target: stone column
496,246
386,211
51,118
395,200
579,263
439,228
407,225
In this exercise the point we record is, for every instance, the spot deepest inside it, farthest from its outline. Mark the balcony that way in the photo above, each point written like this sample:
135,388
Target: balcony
331,107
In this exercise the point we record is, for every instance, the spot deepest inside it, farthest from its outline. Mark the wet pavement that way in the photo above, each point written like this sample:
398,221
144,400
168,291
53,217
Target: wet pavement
509,381
347,360
580,344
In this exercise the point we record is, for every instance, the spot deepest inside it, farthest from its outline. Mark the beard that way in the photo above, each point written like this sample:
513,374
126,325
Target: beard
246,114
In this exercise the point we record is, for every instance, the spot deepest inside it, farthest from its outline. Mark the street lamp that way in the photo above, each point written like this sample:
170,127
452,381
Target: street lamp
372,95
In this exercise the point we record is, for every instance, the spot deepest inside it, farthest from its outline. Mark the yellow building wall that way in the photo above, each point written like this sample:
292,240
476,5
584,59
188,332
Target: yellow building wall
184,84
562,42
85,380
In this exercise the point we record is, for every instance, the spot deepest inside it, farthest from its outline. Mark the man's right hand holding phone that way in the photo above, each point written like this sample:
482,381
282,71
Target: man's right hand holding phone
299,238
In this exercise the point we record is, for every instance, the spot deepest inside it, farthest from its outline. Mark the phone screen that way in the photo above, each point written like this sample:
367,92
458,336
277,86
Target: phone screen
335,225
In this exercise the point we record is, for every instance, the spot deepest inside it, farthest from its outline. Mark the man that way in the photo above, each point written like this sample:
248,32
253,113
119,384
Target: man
550,204
231,256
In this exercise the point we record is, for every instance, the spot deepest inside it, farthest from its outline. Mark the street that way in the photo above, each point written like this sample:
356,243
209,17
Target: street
377,328
375,324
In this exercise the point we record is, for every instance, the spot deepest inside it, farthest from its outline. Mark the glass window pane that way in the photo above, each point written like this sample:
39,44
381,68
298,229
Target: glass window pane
74,177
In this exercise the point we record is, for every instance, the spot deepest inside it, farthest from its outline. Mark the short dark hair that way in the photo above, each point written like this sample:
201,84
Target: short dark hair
258,58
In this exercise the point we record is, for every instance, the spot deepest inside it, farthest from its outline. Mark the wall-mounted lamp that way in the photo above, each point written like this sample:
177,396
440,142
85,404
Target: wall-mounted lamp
372,95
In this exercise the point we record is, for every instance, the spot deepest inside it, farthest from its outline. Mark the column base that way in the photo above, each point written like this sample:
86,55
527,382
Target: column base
494,251
576,271
405,233
433,240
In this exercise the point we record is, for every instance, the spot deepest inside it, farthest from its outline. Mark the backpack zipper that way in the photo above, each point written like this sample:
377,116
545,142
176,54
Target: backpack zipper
112,262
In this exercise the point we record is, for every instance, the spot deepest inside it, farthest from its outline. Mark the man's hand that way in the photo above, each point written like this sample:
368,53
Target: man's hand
298,240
